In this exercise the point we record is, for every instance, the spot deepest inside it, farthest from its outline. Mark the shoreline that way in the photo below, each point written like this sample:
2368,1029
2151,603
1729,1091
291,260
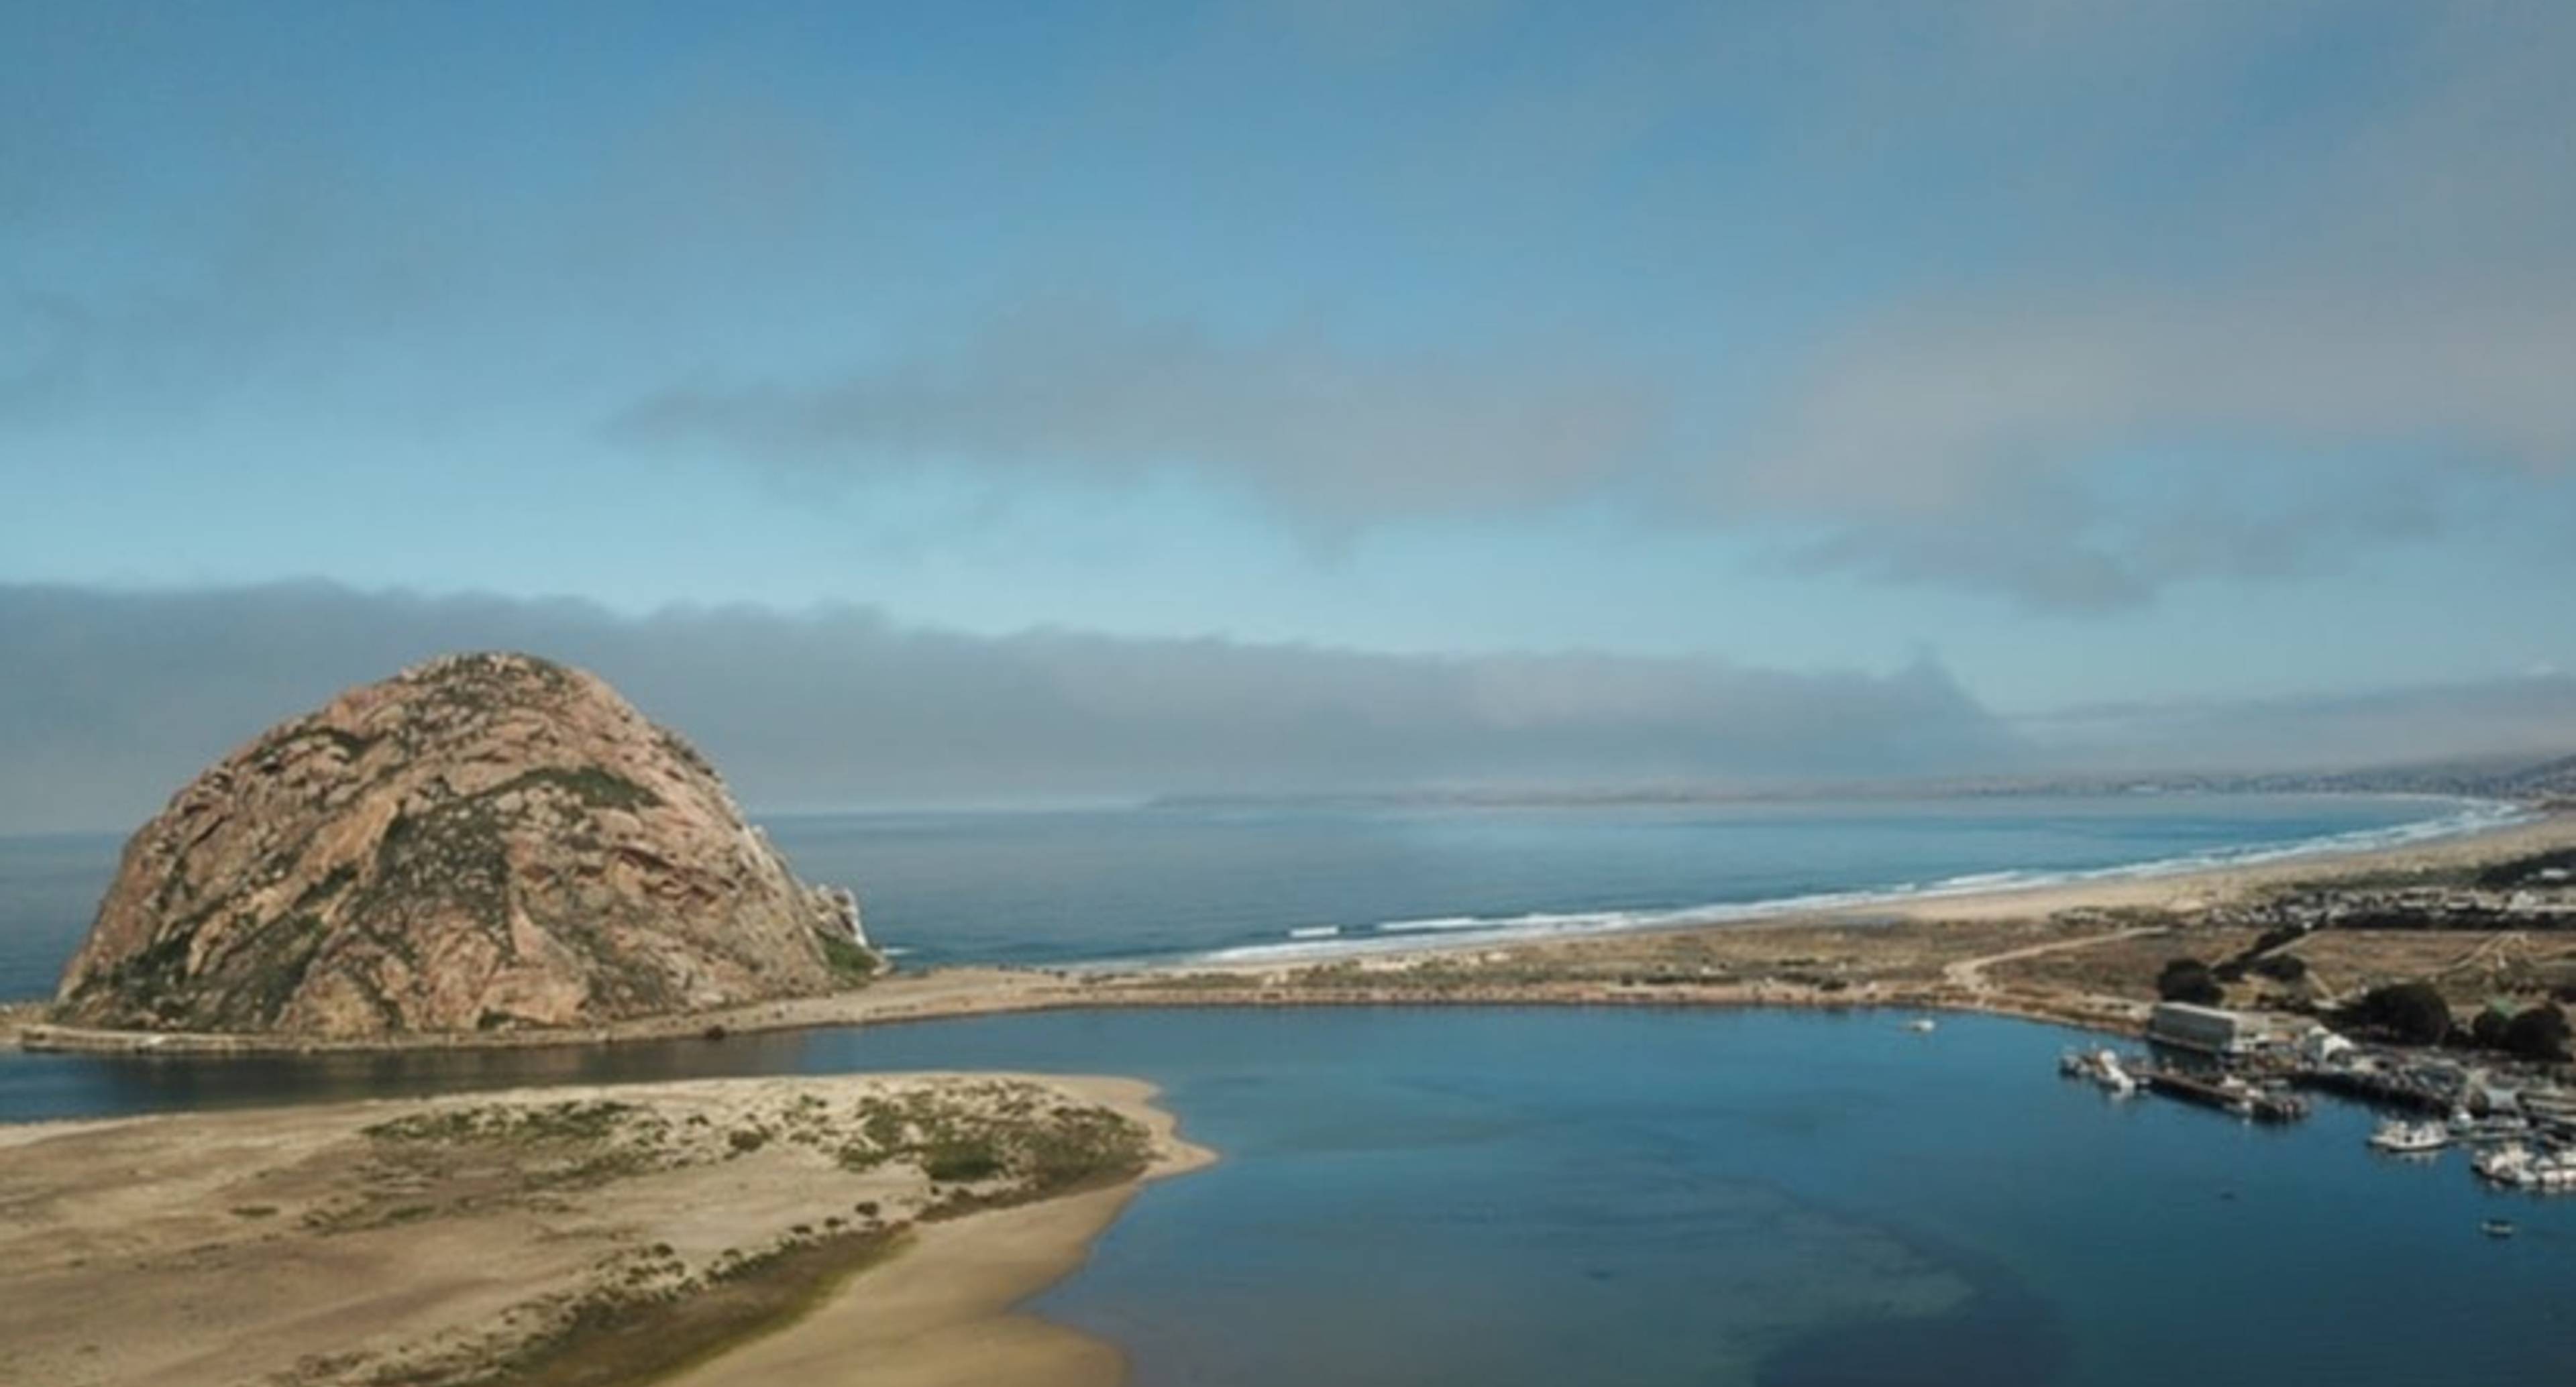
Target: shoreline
1378,977
624,1234
936,1300
1328,944
944,1308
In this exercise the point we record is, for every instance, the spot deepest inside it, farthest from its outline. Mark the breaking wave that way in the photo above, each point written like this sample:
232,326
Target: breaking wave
1311,943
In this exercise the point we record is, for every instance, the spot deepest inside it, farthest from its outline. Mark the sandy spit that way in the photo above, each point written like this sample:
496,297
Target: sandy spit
941,1313
282,1246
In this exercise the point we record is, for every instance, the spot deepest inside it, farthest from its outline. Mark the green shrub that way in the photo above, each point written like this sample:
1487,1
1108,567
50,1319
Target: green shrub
961,1161
849,960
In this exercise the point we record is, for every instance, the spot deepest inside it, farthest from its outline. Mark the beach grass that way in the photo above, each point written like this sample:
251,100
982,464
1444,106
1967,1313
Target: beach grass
615,1340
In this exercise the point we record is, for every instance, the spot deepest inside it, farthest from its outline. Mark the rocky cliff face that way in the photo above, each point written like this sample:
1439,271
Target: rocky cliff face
485,841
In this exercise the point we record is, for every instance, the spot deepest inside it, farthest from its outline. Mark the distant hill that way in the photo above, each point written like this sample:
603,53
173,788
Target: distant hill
2513,778
2508,778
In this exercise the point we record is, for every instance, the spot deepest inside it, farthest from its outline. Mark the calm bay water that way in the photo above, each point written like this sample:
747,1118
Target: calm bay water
1075,886
1641,1197
1667,1197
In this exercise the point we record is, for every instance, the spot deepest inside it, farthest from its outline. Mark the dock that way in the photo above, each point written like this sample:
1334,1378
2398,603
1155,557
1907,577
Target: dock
2383,1089
2262,1105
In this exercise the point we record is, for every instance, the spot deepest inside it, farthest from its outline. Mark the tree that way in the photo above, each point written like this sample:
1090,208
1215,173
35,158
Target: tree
2538,1033
2282,967
2189,980
2412,1013
2488,1029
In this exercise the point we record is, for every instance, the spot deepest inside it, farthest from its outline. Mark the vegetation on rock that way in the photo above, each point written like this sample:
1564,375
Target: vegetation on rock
482,842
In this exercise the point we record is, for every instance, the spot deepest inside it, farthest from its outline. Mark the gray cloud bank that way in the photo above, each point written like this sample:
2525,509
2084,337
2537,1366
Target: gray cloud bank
2488,719
1337,437
2064,303
2230,349
113,699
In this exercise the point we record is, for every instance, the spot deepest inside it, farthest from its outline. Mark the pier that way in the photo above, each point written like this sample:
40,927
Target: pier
2227,1095
2394,1090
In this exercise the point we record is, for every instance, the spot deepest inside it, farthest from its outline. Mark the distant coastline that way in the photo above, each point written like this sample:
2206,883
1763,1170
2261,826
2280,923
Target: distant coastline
2513,778
1568,969
1316,944
2070,949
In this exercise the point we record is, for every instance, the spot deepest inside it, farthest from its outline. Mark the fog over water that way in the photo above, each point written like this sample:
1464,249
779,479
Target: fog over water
114,699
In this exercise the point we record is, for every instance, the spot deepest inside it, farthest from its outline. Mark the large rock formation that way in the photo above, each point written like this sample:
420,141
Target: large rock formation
485,841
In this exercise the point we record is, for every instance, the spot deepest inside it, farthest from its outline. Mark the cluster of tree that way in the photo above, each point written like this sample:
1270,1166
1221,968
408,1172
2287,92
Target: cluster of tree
2189,980
2534,1033
2411,1013
2525,871
2414,1013
2259,959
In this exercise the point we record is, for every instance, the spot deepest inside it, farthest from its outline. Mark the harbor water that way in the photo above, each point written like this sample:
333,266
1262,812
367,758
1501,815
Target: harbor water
1652,1197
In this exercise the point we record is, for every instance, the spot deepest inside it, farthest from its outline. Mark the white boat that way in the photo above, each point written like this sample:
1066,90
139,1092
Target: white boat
2100,1066
2103,1068
2410,1138
1921,1025
2503,1165
2494,1127
2516,1165
2555,1172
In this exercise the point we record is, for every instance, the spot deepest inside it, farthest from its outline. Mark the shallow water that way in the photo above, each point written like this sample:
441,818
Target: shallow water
1656,1197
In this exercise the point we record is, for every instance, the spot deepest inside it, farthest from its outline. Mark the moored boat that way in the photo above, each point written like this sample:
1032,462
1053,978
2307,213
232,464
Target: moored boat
2502,1165
2517,1166
2410,1138
2102,1067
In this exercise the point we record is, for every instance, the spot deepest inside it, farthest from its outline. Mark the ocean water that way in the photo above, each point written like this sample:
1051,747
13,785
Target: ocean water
1661,1197
1069,887
49,890
1308,880
1628,1196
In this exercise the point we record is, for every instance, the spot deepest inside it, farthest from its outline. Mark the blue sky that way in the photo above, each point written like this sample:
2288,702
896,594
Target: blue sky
2095,352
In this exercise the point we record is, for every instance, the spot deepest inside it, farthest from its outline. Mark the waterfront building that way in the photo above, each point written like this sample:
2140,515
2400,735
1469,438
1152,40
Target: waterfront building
2207,1030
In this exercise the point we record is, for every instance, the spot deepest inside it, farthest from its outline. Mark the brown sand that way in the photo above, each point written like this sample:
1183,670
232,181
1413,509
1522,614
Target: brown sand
126,1254
276,1246
939,1314
2185,892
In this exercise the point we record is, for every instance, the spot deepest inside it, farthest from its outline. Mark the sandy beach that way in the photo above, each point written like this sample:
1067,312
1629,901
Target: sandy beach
940,1314
2188,891
475,1239
1928,950
309,1247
